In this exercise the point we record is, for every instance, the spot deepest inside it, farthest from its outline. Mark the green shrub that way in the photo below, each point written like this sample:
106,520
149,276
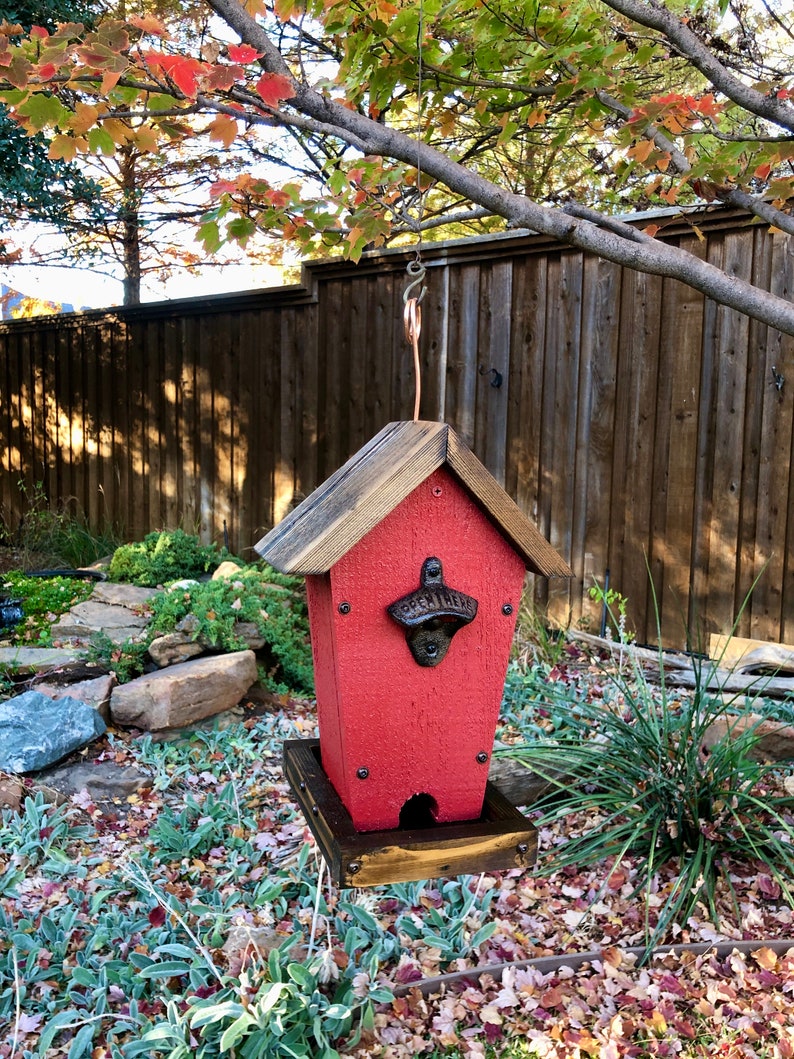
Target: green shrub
42,599
161,557
631,770
275,604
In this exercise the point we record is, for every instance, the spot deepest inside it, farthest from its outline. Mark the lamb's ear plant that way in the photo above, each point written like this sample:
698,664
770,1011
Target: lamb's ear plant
632,771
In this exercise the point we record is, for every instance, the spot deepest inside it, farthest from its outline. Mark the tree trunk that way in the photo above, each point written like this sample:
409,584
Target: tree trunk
130,235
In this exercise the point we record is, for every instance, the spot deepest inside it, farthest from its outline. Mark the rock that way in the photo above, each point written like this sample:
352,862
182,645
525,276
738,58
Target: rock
184,693
94,692
38,659
106,783
129,596
249,633
36,731
105,616
12,793
189,625
226,569
775,739
184,585
173,648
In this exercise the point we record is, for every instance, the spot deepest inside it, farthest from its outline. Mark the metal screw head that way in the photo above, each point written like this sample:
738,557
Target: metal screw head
363,772
315,811
344,608
354,867
507,608
522,848
302,786
482,757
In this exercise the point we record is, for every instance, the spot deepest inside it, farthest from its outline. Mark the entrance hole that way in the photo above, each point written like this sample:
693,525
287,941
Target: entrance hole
421,810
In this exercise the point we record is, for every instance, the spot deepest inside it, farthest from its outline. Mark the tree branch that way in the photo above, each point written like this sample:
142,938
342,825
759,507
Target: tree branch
655,257
654,15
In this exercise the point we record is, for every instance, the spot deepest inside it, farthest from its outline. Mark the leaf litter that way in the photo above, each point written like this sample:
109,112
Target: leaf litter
245,862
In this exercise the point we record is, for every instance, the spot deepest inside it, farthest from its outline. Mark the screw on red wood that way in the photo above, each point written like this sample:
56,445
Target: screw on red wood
482,757
344,608
362,773
507,608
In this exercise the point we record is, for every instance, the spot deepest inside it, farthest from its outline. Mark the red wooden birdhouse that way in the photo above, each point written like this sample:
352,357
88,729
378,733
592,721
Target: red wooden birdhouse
414,558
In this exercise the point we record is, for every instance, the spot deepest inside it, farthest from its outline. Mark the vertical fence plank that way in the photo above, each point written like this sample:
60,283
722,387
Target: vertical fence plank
635,419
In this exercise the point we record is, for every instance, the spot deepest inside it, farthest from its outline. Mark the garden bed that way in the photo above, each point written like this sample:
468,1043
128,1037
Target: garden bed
182,923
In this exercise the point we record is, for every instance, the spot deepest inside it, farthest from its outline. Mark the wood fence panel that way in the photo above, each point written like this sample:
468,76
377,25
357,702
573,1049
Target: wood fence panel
636,422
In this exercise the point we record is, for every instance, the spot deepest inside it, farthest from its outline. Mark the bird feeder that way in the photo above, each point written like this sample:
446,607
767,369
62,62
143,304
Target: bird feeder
414,559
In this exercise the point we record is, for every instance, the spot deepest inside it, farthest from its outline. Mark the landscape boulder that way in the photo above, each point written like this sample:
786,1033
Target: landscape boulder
184,693
106,783
94,692
37,731
775,739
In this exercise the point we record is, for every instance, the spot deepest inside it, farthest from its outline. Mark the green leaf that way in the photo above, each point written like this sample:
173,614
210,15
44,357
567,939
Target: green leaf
100,142
43,110
166,969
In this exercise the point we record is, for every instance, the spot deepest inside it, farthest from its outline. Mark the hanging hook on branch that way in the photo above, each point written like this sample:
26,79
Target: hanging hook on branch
414,291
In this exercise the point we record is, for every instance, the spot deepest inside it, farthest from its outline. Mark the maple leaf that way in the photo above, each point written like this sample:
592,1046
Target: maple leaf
224,129
149,24
243,53
40,32
273,88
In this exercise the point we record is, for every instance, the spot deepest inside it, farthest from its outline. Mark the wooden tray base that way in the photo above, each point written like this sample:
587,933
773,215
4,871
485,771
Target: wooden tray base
501,838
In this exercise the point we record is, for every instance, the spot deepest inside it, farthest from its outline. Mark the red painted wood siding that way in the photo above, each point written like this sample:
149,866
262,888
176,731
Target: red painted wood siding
418,730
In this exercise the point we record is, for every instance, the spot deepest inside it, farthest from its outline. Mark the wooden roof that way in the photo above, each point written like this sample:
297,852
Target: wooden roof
340,512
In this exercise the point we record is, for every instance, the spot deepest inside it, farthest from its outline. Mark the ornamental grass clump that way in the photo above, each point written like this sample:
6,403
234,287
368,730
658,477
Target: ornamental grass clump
630,772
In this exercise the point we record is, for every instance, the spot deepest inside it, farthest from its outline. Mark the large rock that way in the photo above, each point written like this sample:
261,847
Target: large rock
185,693
775,739
130,596
36,731
94,692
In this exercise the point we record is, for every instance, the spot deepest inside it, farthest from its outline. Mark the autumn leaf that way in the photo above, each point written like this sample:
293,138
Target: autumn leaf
223,129
146,140
66,147
40,32
149,24
273,88
243,53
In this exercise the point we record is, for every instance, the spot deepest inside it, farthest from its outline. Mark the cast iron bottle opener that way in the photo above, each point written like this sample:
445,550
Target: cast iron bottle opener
432,614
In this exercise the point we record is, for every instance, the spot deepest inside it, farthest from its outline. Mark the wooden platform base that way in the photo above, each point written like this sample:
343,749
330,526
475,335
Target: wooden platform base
502,838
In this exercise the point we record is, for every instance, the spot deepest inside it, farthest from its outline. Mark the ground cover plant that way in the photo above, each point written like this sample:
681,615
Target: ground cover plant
188,921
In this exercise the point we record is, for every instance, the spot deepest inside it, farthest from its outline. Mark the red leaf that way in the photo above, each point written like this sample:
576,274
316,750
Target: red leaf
243,53
39,31
273,88
157,916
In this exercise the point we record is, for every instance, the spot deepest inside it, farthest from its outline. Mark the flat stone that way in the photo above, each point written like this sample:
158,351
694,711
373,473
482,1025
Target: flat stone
94,692
105,782
130,596
173,648
36,731
775,739
184,693
106,616
38,659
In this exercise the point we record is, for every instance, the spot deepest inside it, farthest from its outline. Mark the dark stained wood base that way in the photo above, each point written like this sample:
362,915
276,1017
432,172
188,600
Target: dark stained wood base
501,838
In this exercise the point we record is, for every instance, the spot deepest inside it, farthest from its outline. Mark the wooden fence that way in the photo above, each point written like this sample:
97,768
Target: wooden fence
647,431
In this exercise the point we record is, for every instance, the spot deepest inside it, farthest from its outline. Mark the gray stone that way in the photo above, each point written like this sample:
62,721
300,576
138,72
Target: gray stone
184,693
94,692
130,596
36,731
38,659
106,782
106,616
249,633
173,648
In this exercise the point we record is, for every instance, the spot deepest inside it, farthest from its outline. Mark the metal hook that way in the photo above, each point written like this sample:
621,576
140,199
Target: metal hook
496,381
416,274
778,380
